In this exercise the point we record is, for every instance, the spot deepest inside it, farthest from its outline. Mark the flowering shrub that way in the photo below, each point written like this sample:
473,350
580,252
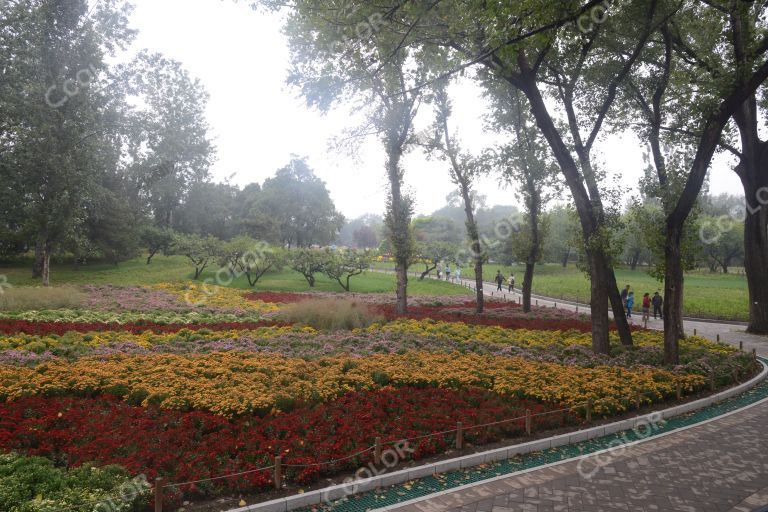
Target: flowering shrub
234,384
195,445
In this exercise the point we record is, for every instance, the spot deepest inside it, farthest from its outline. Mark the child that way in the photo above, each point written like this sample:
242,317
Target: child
511,283
630,303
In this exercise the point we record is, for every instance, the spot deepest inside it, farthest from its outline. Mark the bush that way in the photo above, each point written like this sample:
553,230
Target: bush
330,314
26,299
33,484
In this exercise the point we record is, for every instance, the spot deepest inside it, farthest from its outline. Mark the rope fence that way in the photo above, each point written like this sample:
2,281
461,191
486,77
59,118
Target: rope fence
585,409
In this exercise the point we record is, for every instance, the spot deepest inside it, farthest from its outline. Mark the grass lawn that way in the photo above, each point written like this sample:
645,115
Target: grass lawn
177,268
721,296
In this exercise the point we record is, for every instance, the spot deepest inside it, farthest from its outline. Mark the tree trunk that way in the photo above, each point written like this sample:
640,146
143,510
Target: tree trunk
617,305
753,172
598,301
527,286
46,273
37,265
673,295
401,272
398,221
566,257
477,250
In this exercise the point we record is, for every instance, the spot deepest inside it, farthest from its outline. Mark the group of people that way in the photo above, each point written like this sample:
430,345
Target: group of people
447,272
628,298
500,281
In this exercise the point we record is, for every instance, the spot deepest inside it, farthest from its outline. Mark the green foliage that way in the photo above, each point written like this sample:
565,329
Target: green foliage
198,250
294,208
156,239
308,263
345,264
33,484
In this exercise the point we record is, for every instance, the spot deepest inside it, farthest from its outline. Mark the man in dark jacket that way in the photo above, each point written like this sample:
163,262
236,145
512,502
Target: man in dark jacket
499,280
657,302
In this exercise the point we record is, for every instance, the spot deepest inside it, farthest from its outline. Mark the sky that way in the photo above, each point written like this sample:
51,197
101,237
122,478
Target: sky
258,122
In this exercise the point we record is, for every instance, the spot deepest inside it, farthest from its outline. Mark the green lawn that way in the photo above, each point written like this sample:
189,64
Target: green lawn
722,296
176,268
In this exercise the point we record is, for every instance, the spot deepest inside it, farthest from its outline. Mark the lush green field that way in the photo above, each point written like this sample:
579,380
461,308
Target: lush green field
722,296
177,268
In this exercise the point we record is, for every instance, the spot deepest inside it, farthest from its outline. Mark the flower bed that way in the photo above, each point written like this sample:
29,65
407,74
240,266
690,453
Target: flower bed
199,390
184,446
61,328
234,384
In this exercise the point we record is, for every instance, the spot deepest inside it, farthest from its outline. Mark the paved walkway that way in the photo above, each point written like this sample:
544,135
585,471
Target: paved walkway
721,465
729,333
717,466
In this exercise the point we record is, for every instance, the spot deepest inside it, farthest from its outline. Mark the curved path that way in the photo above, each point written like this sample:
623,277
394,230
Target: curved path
720,465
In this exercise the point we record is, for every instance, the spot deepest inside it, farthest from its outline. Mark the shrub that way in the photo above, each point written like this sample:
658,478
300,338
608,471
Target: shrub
330,314
21,299
33,484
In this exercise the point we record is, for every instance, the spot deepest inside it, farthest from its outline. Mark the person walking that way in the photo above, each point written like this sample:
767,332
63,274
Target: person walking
646,308
630,303
447,271
439,271
657,302
511,282
624,294
458,274
499,280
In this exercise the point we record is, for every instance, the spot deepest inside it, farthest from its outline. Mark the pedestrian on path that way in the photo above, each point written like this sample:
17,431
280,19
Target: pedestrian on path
511,283
458,274
657,302
630,303
646,308
499,280
624,294
439,271
447,271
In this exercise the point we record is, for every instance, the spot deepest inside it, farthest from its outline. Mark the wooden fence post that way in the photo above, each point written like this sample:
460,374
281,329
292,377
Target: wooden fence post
718,338
754,354
278,472
459,436
377,451
712,380
638,398
679,390
528,422
589,411
159,494
694,331
741,346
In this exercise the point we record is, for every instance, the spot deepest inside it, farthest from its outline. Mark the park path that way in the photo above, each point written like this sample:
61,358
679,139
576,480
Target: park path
733,333
720,465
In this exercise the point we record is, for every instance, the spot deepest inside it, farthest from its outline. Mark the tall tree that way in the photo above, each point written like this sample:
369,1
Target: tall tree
61,112
463,169
169,151
715,46
299,206
527,162
339,51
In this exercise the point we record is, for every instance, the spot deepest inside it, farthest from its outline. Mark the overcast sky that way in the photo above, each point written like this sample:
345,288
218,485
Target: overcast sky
257,122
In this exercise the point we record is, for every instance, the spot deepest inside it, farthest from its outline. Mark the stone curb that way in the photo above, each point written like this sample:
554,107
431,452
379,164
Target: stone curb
339,491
